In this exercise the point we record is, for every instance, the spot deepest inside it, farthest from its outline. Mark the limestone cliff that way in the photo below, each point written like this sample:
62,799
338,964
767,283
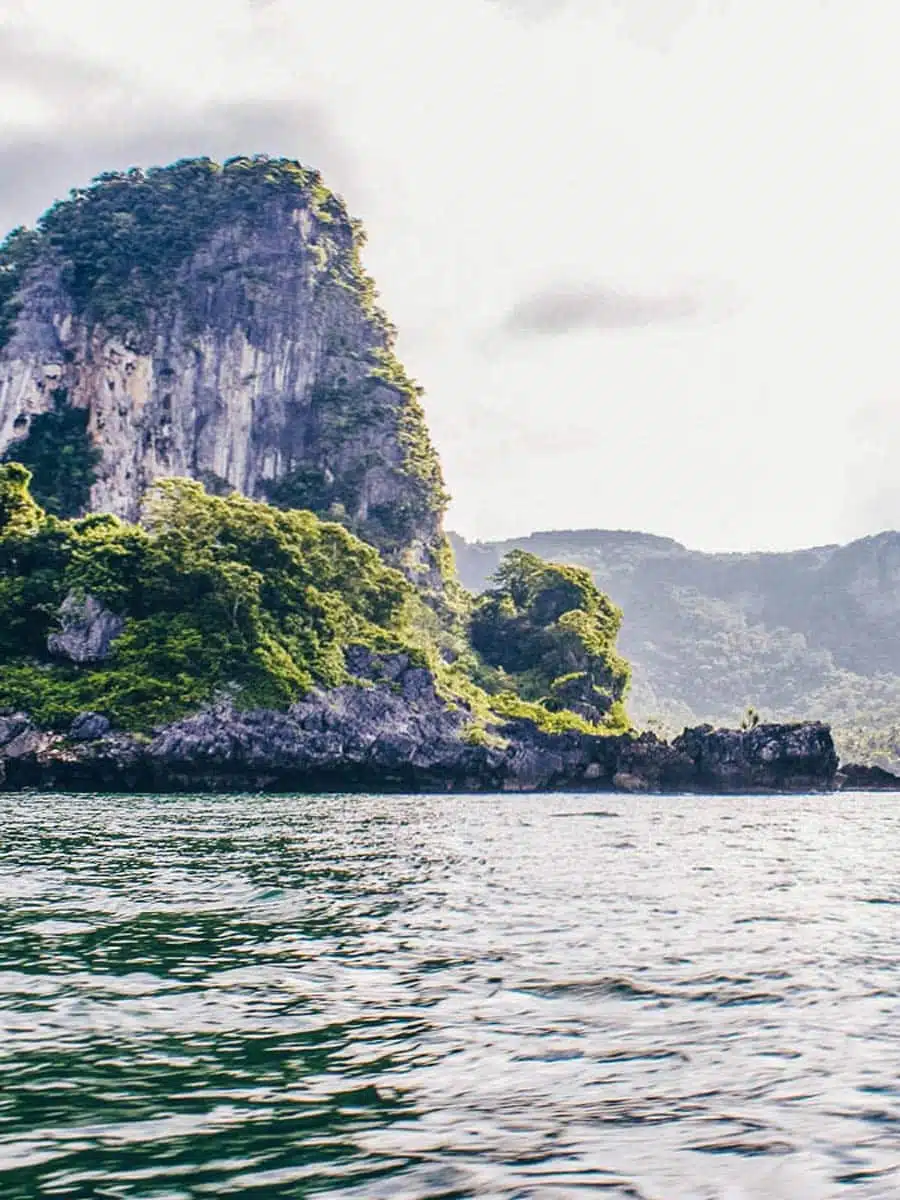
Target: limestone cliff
215,322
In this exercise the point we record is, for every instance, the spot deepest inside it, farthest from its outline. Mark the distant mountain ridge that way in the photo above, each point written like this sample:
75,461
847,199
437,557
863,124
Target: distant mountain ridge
803,633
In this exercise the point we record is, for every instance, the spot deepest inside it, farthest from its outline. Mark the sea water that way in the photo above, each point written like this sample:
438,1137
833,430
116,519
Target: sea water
432,997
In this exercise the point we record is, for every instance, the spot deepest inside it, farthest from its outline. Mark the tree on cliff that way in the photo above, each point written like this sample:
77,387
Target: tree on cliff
19,515
553,632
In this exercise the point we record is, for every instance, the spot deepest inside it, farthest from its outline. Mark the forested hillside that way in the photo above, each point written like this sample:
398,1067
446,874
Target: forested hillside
810,633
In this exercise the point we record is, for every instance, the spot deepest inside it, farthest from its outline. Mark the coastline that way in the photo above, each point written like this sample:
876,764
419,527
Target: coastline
404,738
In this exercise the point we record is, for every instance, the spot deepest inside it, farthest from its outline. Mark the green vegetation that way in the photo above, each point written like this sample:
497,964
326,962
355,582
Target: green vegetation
20,517
221,595
548,720
123,240
62,459
17,253
226,597
750,719
548,634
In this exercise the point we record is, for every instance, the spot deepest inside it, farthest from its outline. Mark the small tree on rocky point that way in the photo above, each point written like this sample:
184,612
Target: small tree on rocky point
750,719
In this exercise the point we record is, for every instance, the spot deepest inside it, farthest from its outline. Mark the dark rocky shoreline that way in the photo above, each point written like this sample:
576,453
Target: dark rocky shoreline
399,735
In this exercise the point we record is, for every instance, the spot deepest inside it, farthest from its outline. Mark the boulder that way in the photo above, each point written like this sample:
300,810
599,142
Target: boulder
20,738
87,629
624,781
11,725
89,726
377,668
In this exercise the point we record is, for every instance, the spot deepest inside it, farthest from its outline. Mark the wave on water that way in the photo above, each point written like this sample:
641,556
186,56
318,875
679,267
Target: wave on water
424,997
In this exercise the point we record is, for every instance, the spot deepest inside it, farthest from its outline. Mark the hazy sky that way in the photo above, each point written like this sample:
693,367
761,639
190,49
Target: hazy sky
644,255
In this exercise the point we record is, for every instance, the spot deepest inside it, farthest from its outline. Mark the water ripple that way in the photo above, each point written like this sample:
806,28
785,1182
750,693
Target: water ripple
417,998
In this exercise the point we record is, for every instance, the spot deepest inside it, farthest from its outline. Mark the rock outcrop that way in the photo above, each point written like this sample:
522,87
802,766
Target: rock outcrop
394,732
862,777
767,758
250,356
87,630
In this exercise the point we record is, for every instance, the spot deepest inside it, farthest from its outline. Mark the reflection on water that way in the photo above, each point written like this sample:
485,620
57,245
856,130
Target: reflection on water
449,997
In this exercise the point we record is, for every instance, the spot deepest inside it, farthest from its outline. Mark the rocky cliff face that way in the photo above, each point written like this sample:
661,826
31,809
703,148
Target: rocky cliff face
215,323
398,734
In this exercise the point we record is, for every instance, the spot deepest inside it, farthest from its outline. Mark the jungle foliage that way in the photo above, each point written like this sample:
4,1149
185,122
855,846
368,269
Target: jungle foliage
62,458
228,597
550,633
222,595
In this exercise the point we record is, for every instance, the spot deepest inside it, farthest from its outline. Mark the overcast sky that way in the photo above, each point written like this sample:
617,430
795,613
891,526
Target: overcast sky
643,254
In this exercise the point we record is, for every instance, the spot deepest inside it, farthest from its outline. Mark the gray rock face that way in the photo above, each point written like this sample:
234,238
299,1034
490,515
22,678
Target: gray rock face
266,370
88,630
20,740
12,725
767,758
395,733
89,726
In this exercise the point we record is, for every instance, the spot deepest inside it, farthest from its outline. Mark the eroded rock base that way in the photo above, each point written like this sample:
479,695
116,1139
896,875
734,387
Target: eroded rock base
394,733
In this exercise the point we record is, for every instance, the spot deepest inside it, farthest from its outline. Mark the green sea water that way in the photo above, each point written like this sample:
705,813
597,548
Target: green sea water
420,997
